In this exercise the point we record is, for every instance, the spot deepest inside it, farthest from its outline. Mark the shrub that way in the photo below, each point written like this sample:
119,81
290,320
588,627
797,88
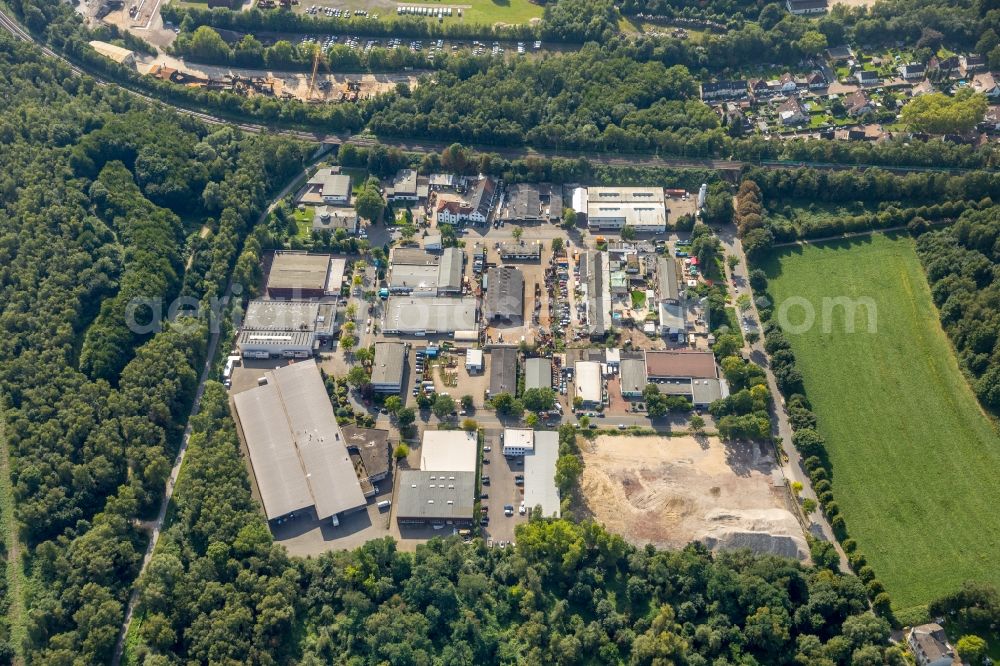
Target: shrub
839,526
866,574
822,486
882,604
831,509
825,498
849,545
875,587
857,560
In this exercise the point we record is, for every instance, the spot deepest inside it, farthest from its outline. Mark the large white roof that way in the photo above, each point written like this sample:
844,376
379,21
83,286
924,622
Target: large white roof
448,451
540,472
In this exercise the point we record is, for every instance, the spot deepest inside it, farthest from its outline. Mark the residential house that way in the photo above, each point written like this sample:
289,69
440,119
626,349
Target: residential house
991,122
791,112
858,104
481,200
913,71
816,81
839,54
450,211
723,89
986,84
944,67
930,645
403,187
786,84
759,88
328,186
329,218
867,77
799,7
972,63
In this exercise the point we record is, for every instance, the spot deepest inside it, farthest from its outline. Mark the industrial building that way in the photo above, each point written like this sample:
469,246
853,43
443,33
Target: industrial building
668,289
418,272
520,250
633,377
537,373
518,441
540,474
449,451
435,498
595,277
371,446
404,187
332,219
328,186
612,208
301,275
297,451
532,203
120,55
688,373
589,383
387,367
407,315
474,361
503,370
289,329
673,322
504,300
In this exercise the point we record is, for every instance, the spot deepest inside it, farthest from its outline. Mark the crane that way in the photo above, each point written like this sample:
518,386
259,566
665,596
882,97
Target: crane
317,51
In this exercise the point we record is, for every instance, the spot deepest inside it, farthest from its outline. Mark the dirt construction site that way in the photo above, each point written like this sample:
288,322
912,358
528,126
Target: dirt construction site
669,491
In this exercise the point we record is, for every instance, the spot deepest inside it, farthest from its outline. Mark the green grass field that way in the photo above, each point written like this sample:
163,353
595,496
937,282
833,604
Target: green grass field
485,12
914,458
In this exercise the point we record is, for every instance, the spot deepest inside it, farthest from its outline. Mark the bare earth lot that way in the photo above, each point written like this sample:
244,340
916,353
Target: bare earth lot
669,491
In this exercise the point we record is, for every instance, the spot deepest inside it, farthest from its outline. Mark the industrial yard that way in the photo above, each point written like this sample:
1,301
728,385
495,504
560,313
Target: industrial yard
669,491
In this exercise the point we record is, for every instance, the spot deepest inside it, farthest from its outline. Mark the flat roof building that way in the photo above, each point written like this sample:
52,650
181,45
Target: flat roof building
403,187
387,367
436,498
532,203
504,300
537,373
413,271
633,377
328,186
520,250
372,446
503,370
474,360
296,448
642,208
588,382
332,219
518,441
408,315
449,451
292,329
540,474
680,363
301,275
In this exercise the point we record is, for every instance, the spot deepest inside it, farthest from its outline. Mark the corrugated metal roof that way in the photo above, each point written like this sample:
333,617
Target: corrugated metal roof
387,366
537,373
539,474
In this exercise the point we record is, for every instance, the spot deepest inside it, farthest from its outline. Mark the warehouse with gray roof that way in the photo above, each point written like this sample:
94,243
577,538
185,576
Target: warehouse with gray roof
503,370
408,315
504,300
387,367
537,373
419,272
301,275
290,329
436,498
297,451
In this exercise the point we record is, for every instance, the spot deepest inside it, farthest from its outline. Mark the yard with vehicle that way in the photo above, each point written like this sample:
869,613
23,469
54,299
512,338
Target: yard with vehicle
913,457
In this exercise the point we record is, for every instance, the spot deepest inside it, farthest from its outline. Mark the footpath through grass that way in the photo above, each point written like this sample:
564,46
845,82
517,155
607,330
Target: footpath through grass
914,459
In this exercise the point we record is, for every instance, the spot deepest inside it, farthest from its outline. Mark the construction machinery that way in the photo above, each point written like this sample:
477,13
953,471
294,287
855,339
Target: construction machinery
317,52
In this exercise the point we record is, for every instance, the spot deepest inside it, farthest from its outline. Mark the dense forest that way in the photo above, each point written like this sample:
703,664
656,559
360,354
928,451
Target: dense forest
104,201
961,263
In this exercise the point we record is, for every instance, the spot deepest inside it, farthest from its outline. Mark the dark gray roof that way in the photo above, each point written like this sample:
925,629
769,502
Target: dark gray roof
505,295
532,202
482,196
435,495
372,445
503,370
387,368
666,277
297,270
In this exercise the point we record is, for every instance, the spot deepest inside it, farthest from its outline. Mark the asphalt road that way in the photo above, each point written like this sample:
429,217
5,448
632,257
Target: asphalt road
791,463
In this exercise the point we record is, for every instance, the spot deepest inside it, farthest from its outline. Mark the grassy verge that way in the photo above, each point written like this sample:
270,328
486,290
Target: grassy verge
913,456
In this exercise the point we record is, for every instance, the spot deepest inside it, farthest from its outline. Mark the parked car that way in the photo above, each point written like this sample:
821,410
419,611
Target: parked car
508,509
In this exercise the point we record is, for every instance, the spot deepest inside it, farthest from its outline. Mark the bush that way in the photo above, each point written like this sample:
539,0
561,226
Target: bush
857,560
825,498
822,486
831,509
875,587
849,545
866,574
839,526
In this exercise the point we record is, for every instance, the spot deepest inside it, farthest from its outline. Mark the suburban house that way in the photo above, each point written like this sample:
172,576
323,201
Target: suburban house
972,63
791,112
816,81
759,88
913,71
866,77
858,104
403,187
930,645
786,83
986,84
991,122
723,89
329,218
476,208
839,54
799,7
328,186
945,66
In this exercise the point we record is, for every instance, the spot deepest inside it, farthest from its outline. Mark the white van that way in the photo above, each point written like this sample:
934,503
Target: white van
384,504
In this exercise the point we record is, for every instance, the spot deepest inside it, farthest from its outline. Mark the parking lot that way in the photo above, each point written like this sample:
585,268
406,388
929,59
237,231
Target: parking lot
502,490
